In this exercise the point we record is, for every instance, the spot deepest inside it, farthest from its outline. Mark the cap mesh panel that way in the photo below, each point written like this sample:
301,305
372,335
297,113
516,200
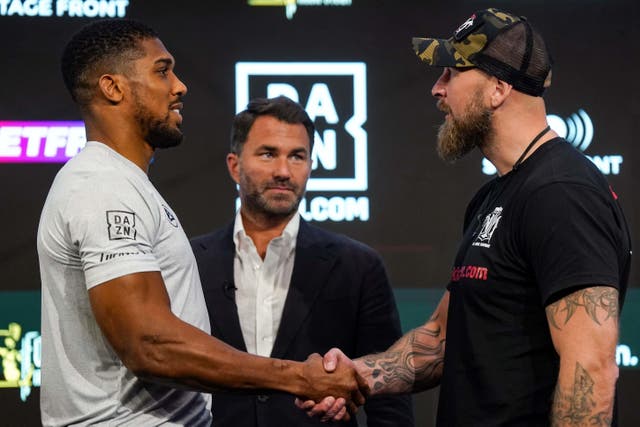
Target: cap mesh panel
510,48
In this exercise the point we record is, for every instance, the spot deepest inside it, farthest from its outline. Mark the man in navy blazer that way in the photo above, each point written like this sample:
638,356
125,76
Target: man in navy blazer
277,286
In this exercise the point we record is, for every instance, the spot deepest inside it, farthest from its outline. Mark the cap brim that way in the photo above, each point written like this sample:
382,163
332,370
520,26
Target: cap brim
439,53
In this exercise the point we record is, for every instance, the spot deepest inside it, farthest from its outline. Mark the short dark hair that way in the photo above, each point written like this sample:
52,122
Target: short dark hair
106,46
281,107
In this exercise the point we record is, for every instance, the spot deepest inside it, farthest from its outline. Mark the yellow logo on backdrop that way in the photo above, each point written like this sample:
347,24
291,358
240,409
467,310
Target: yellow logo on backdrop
291,6
20,366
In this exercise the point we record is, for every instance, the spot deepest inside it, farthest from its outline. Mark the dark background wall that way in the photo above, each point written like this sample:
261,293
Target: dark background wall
416,202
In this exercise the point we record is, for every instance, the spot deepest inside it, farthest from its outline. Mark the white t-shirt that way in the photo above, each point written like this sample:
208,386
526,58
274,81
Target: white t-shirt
104,219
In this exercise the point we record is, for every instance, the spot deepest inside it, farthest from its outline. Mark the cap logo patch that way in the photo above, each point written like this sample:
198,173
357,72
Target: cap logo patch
467,24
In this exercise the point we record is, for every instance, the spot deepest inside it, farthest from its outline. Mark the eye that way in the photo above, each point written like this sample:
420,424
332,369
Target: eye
163,71
266,154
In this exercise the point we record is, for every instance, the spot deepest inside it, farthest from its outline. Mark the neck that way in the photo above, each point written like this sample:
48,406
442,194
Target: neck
262,228
514,128
122,137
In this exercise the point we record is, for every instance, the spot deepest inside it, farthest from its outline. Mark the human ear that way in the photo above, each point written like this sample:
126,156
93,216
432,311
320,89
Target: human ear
111,87
500,92
233,165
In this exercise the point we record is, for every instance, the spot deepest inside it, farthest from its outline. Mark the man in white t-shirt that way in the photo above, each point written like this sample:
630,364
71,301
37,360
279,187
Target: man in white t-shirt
125,332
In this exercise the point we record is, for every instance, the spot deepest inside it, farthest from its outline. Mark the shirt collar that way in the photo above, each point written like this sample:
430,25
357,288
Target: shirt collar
288,237
125,162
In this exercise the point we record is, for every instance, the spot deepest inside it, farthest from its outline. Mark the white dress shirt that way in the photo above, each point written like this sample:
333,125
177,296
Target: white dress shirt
262,285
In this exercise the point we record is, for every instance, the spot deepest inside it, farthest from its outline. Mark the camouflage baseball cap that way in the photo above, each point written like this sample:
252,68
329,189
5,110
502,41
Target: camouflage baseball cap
499,43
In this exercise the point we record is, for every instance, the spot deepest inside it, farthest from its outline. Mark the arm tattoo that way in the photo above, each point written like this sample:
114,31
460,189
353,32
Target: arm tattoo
575,407
594,300
413,363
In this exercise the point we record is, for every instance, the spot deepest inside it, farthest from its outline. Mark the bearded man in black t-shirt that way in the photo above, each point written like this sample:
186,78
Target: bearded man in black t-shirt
530,316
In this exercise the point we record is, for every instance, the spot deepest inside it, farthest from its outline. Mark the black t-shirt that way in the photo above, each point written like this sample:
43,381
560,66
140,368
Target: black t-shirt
552,225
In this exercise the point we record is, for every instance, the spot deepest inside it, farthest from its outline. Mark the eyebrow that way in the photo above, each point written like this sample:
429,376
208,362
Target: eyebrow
274,148
300,150
165,61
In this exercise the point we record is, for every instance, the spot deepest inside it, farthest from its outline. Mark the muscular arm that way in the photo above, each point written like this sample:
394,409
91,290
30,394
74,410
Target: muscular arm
134,314
414,362
584,330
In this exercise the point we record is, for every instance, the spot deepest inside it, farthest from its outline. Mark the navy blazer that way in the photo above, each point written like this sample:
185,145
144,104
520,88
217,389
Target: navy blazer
339,296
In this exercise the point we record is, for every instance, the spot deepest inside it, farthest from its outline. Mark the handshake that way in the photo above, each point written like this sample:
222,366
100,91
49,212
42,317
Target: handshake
335,387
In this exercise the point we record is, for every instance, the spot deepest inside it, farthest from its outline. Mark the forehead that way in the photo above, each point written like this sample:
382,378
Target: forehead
268,130
466,78
154,50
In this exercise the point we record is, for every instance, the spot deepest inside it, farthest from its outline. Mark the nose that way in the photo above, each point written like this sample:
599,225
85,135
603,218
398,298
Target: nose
438,90
179,88
282,168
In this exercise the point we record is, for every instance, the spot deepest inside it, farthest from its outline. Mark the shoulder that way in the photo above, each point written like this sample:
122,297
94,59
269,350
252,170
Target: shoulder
335,242
559,174
560,162
214,240
90,174
83,191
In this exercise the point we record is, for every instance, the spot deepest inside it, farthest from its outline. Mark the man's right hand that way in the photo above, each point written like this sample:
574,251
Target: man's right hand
332,407
339,383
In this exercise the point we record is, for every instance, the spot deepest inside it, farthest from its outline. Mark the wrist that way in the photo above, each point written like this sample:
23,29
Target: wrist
290,377
365,372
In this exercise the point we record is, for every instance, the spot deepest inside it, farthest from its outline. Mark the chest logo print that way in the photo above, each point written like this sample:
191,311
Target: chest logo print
489,226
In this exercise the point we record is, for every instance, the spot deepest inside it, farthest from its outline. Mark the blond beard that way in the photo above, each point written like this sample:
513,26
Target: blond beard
458,136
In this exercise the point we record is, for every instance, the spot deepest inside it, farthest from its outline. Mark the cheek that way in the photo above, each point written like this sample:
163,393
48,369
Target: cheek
254,176
454,107
302,175
300,169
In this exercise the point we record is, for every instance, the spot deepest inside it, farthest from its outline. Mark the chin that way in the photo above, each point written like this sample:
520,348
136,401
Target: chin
281,209
165,139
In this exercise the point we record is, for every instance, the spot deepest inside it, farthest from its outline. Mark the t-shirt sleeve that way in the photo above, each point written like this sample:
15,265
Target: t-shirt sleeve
569,236
113,226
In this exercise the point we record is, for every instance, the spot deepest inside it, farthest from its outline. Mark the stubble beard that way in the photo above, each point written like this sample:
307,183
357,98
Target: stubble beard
458,136
161,135
156,131
255,201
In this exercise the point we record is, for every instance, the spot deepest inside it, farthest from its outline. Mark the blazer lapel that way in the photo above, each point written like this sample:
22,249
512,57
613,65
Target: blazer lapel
312,264
219,288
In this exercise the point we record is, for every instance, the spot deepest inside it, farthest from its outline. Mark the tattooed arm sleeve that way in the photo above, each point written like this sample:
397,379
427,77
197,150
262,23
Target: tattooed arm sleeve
414,362
584,330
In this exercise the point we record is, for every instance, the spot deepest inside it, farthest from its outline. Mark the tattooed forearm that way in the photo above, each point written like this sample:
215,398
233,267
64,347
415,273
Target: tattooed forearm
600,303
413,363
577,407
